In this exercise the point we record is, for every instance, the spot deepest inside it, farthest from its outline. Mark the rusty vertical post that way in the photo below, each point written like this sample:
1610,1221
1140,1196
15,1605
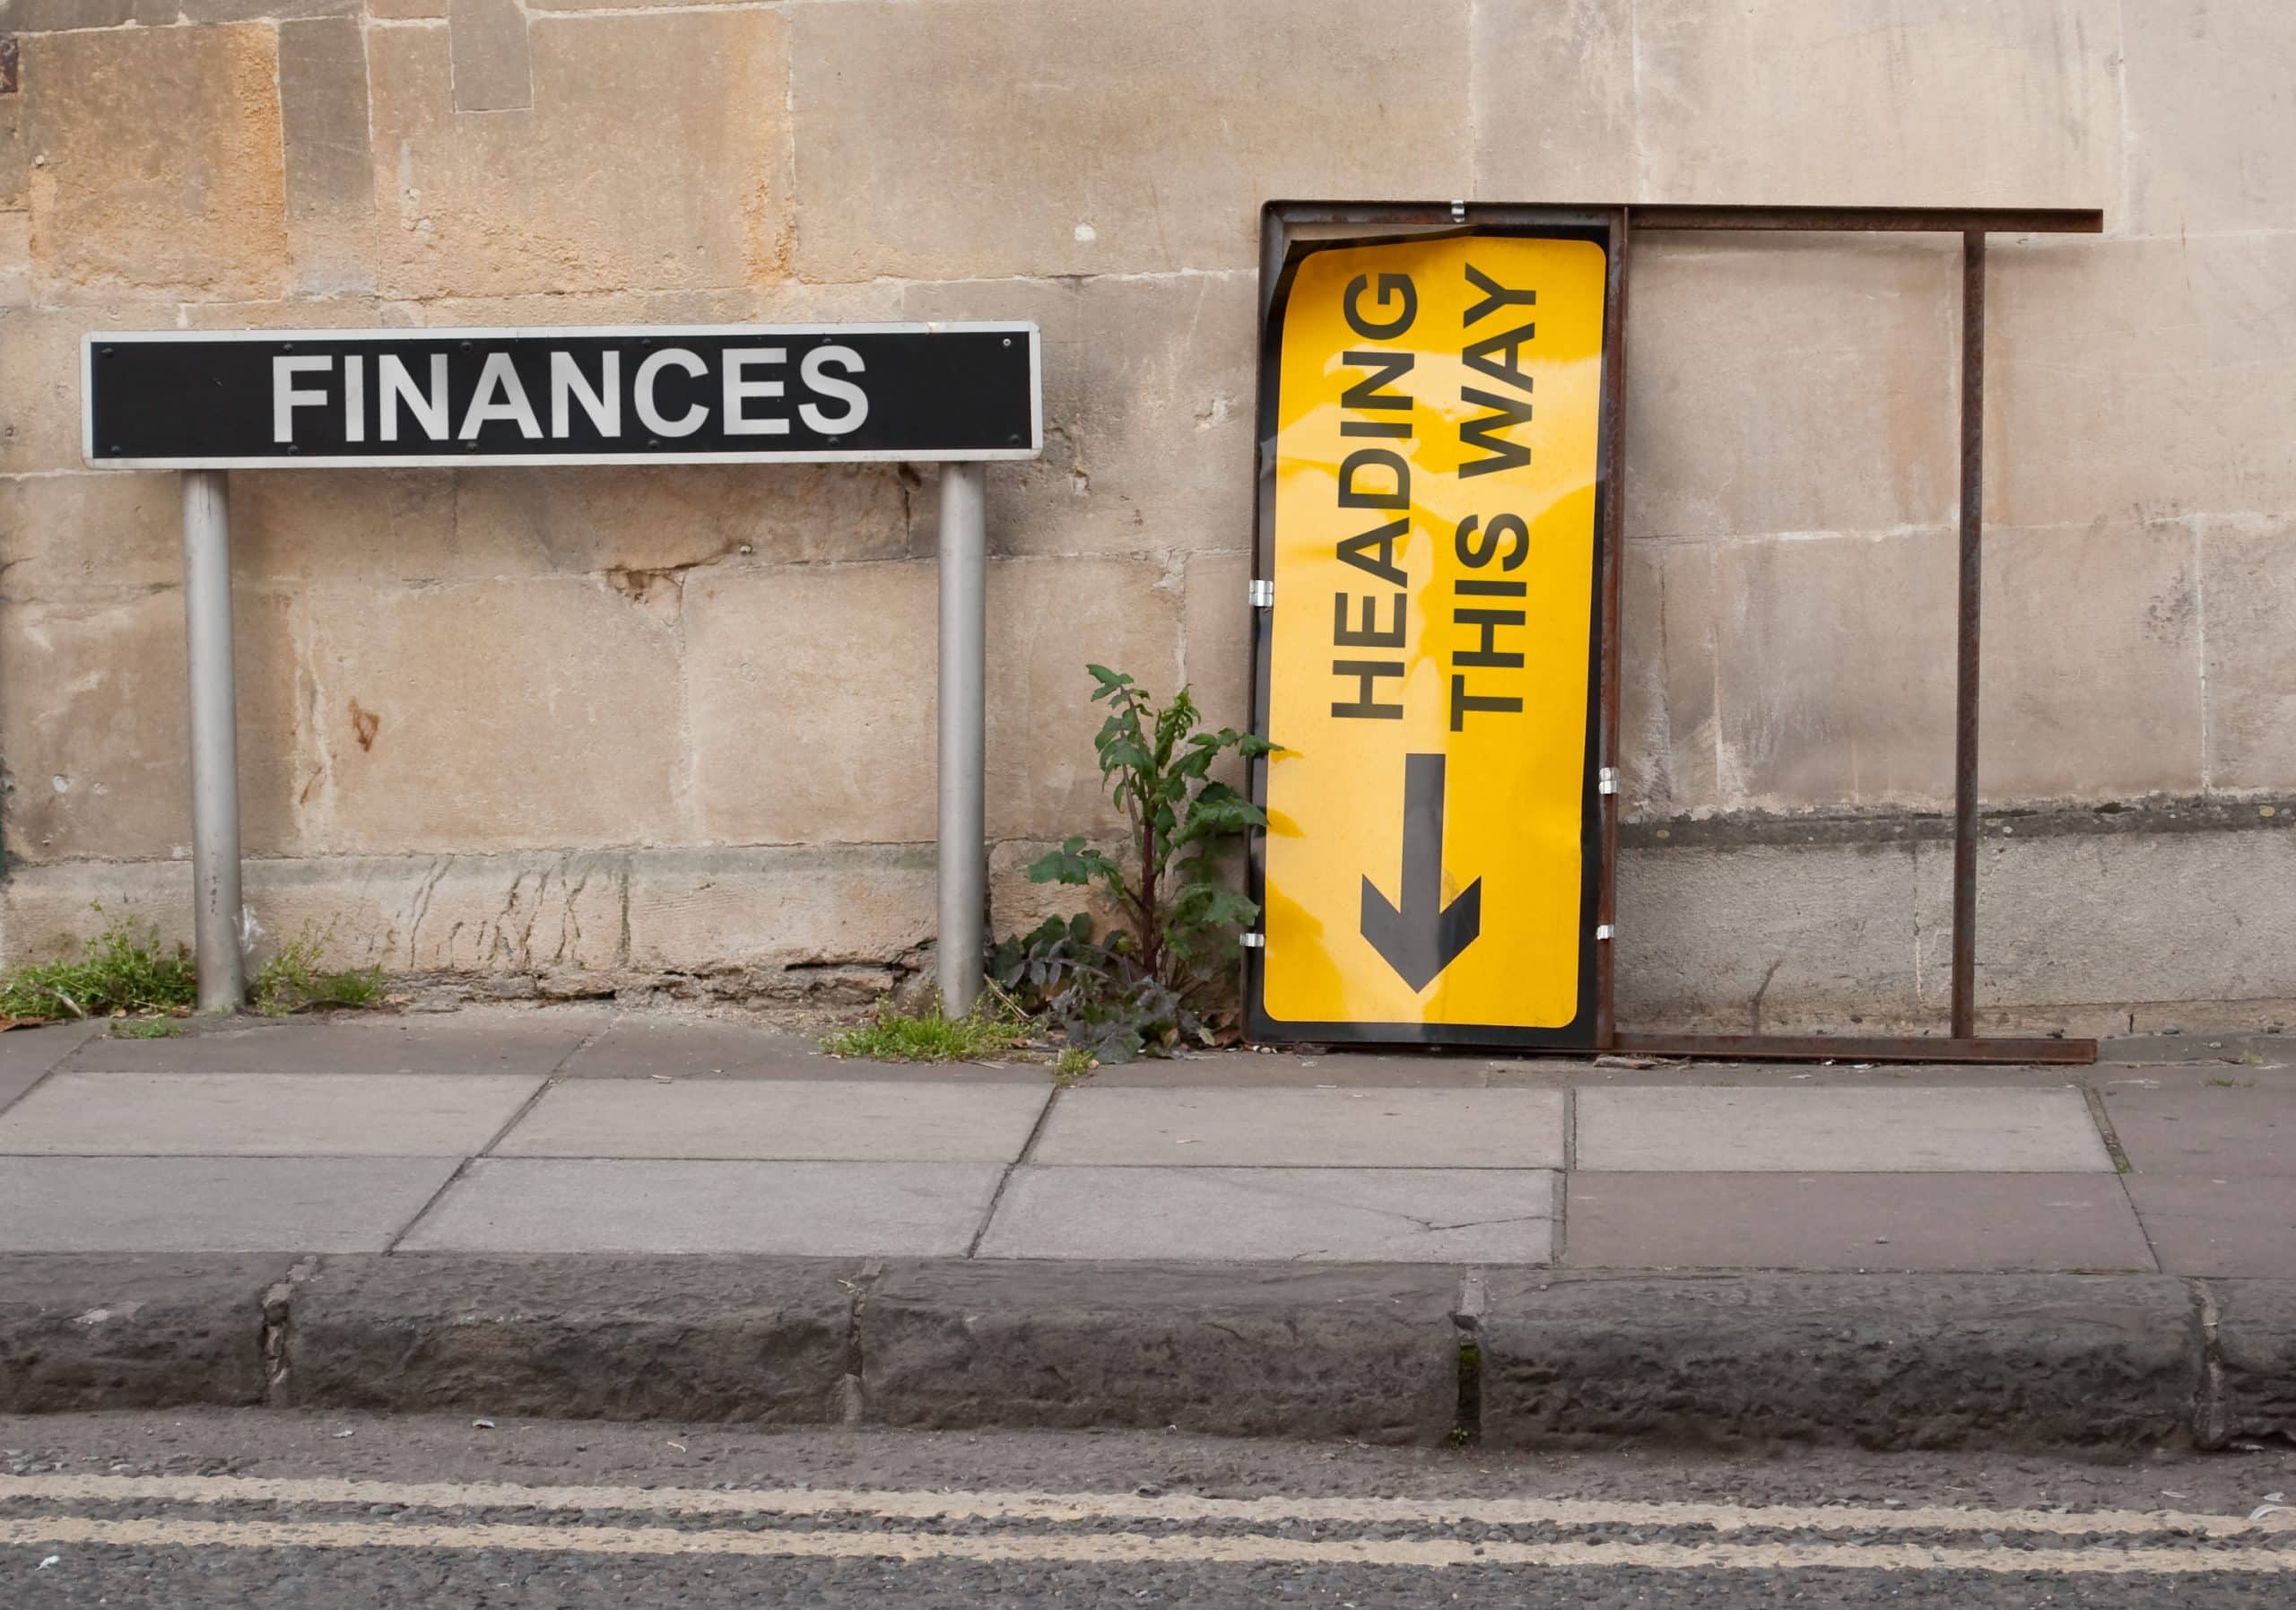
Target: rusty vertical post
1613,562
1965,672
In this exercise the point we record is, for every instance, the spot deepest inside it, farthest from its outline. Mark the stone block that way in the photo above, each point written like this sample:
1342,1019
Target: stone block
812,693
40,381
1047,618
2248,582
84,537
160,171
1554,102
1792,384
1864,102
306,529
131,1330
641,525
493,66
1219,622
15,259
2093,676
2206,80
1884,1362
15,160
491,716
1669,644
329,163
1073,138
1835,673
2091,686
544,912
749,1339
1148,411
653,156
1363,1352
1017,905
2139,379
728,910
98,761
1766,937
2121,918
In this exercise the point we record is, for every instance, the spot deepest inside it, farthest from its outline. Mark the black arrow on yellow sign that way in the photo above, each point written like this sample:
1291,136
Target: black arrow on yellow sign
1422,936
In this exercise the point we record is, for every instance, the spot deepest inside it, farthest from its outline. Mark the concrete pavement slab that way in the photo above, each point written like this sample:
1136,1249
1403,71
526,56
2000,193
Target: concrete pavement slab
263,1115
212,1204
1804,1130
2235,1224
1307,1128
1276,1070
858,1120
1314,1215
2240,1126
651,1048
27,1054
478,1042
796,1209
1967,1223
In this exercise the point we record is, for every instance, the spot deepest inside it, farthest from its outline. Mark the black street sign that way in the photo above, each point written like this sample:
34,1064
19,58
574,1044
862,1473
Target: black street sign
296,399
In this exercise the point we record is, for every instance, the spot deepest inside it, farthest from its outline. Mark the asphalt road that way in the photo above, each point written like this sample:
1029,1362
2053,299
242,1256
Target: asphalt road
272,1509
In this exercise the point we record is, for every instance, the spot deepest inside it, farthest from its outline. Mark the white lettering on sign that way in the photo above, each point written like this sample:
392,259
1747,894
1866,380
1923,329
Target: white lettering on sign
648,372
398,387
855,400
286,397
739,389
604,405
749,404
500,396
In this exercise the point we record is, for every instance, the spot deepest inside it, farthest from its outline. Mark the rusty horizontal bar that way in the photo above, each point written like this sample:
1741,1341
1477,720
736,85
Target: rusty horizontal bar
1857,1047
1948,221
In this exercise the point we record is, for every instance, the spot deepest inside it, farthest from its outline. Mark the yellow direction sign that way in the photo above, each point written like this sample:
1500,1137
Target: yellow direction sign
1430,529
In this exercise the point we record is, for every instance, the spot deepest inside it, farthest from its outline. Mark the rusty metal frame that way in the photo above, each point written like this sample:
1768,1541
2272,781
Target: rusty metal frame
1962,1043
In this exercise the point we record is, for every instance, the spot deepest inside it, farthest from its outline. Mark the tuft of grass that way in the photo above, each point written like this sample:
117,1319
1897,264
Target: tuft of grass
143,1028
295,979
1072,1063
892,1036
123,968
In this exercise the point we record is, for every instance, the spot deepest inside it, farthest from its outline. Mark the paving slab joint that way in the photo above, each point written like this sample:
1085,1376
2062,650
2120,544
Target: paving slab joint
852,1397
278,1316
1466,1428
2210,1428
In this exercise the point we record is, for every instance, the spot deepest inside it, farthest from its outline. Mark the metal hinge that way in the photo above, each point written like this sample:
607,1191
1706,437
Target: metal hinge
1603,930
1606,780
1263,594
1252,942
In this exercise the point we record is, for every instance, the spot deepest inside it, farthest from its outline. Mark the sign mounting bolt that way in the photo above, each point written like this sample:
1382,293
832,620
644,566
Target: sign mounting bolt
1263,594
1459,212
1606,780
1252,942
1603,930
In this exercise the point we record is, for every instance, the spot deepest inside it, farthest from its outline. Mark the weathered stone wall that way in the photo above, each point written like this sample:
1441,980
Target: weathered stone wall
571,727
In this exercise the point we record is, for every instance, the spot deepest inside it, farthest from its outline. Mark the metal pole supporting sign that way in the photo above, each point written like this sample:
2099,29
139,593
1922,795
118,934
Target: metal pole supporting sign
214,739
206,402
963,871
